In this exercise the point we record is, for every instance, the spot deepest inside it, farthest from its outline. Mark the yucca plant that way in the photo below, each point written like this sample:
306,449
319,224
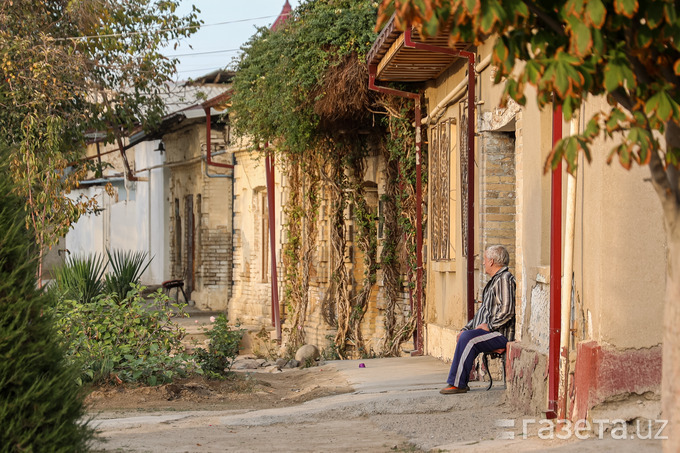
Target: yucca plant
80,277
127,268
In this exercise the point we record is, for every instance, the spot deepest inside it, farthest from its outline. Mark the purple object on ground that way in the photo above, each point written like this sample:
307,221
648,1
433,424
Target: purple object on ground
361,365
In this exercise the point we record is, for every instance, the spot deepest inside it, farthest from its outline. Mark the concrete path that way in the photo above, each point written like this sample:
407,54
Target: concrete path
396,405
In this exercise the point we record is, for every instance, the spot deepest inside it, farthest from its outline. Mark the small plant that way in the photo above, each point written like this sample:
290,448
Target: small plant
127,268
330,352
124,341
270,346
222,350
80,278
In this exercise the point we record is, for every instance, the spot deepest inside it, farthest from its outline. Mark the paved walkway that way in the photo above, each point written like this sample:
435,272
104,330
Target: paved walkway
396,402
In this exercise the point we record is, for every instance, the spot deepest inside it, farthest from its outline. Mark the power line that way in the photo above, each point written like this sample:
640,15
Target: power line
202,53
137,33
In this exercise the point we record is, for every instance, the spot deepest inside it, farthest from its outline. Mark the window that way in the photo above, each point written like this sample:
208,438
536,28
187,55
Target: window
442,143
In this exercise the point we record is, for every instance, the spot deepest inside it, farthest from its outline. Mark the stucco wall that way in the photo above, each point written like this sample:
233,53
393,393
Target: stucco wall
202,253
134,219
251,298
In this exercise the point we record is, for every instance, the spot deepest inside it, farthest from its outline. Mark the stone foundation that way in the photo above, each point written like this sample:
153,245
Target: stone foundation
527,378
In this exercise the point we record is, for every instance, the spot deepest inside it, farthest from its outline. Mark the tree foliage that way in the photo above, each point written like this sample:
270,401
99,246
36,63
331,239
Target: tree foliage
281,75
303,88
41,408
69,67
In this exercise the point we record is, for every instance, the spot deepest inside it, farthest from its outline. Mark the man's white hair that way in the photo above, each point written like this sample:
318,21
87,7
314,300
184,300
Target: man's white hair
498,254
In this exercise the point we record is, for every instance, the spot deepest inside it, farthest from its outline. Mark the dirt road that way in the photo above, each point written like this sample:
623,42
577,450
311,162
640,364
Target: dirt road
387,405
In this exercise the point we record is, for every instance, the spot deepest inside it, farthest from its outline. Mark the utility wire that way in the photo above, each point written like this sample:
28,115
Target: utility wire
202,53
137,33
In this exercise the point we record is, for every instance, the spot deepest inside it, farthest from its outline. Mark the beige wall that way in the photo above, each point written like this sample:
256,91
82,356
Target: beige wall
212,214
619,255
251,299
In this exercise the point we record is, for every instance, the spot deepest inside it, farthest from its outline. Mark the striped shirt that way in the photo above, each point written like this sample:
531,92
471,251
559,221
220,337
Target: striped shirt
498,305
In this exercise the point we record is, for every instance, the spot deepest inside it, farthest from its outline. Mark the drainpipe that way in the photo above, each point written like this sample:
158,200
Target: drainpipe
555,271
372,69
276,315
569,227
470,237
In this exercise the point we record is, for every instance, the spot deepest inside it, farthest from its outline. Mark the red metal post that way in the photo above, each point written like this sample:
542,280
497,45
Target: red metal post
555,272
276,316
372,69
470,201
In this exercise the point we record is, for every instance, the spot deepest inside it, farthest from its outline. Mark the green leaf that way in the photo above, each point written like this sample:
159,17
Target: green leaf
596,13
662,105
580,36
617,73
654,14
644,36
616,118
626,7
471,5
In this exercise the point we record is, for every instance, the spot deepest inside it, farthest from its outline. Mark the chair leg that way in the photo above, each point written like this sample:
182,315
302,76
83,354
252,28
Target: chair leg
485,360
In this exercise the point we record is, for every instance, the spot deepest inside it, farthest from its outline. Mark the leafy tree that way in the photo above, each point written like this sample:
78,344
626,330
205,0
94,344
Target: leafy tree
284,85
626,50
68,67
41,408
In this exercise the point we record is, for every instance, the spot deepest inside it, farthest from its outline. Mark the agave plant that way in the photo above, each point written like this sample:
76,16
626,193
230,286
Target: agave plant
80,277
127,268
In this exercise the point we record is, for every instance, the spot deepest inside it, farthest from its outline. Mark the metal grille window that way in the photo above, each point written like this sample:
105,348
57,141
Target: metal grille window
440,182
464,183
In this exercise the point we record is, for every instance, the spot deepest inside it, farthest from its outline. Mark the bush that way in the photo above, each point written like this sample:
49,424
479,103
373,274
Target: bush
41,408
83,279
127,268
131,340
222,350
79,278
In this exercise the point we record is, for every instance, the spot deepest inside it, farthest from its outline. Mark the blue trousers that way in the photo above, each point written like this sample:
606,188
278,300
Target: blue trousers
470,344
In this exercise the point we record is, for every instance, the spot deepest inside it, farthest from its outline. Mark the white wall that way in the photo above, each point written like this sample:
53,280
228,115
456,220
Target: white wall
136,219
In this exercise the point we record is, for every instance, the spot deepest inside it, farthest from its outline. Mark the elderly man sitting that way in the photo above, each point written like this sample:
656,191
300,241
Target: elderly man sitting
493,325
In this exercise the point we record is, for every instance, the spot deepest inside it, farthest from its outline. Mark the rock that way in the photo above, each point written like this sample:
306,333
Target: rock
272,369
292,363
281,362
246,364
306,353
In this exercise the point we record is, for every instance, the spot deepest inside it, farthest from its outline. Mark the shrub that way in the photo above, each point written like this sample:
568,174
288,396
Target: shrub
127,268
79,278
131,340
41,408
222,350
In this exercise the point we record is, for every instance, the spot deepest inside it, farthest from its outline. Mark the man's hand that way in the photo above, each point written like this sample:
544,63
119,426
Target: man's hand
484,326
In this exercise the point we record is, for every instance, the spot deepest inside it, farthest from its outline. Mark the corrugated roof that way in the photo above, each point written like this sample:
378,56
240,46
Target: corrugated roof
397,63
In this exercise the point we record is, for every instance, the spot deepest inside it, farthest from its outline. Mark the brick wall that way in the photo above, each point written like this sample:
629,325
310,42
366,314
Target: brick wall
497,191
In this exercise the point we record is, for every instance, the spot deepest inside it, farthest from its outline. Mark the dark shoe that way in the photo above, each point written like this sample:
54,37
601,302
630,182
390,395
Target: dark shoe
451,390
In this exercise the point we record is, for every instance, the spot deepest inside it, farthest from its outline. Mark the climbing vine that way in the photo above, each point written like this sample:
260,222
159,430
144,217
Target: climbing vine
398,255
301,213
303,87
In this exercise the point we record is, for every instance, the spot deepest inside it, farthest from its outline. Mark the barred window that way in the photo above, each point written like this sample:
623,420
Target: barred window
442,141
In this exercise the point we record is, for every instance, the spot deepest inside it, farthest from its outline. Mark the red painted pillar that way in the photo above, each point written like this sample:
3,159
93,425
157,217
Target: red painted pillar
555,273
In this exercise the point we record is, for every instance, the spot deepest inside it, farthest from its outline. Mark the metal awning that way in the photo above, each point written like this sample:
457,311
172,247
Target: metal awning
397,63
